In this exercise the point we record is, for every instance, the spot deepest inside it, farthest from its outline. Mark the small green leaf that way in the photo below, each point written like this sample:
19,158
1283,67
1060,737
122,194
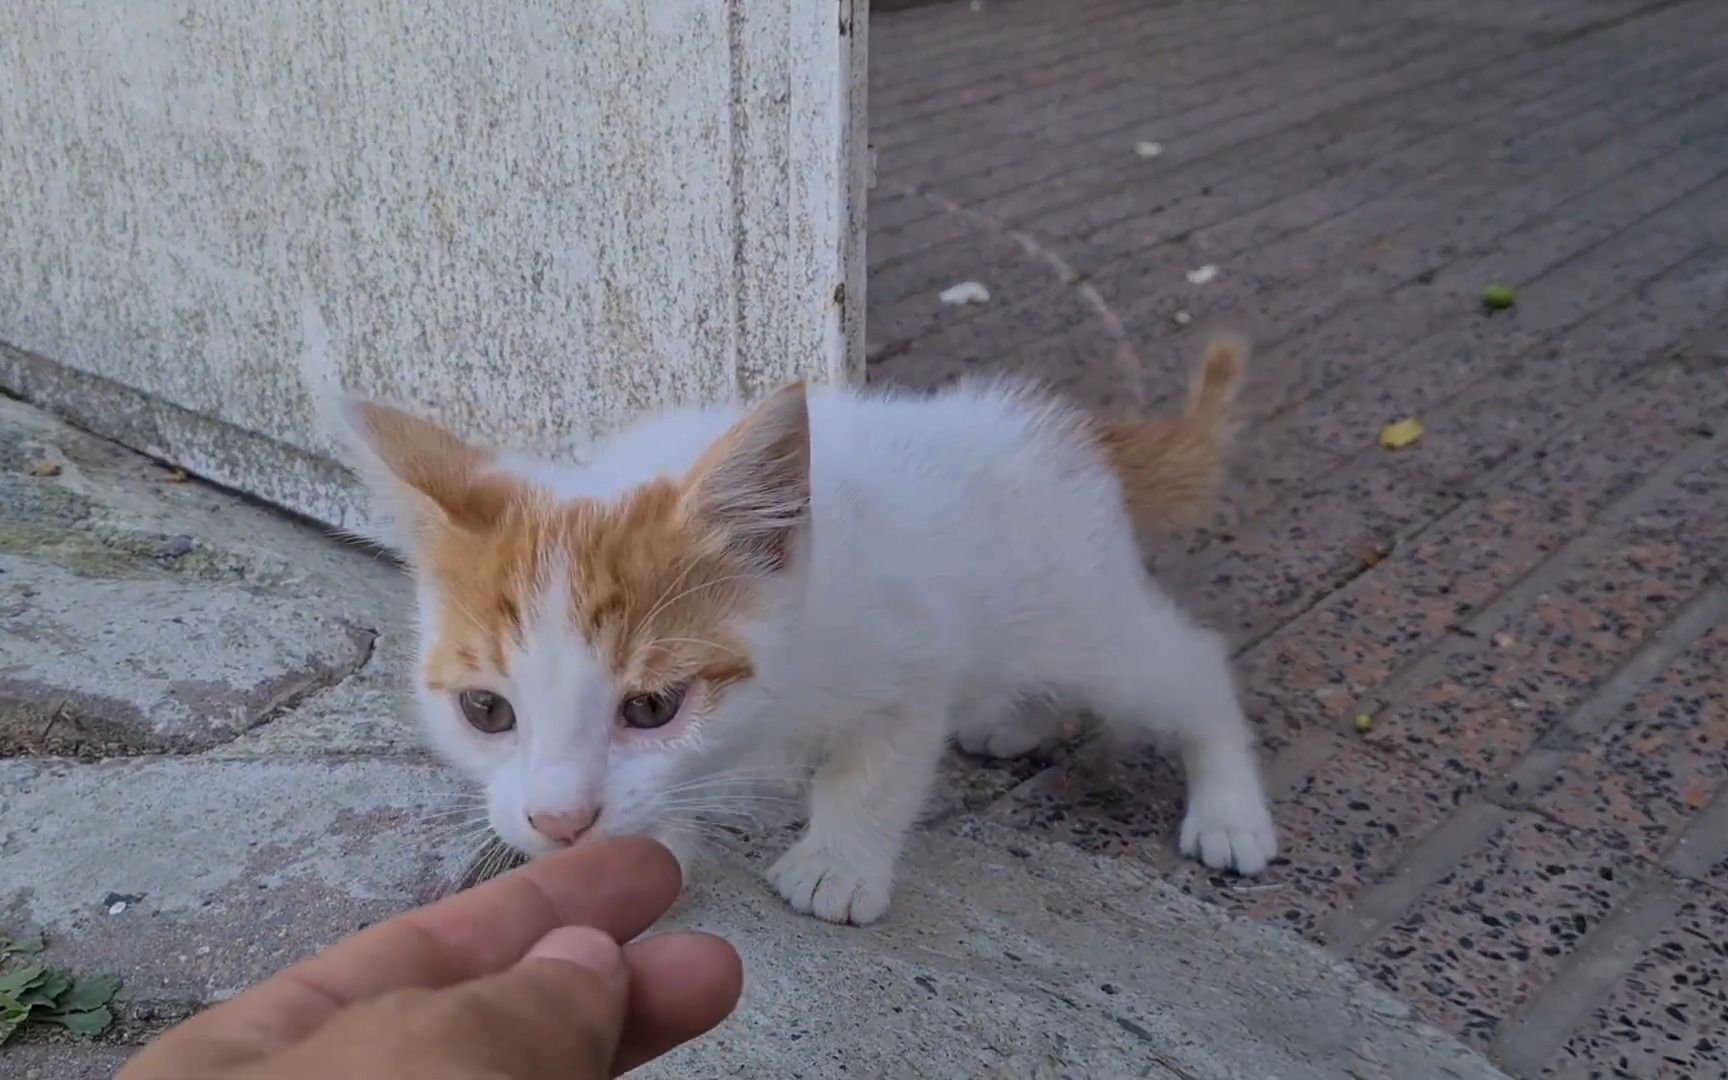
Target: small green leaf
27,945
45,994
13,983
89,1023
32,943
88,993
1499,297
12,1014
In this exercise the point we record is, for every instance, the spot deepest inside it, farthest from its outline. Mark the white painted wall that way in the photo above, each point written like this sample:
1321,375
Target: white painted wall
535,219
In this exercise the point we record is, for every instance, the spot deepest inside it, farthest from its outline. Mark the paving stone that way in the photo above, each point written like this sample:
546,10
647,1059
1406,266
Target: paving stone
975,341
1073,89
191,879
1254,123
187,914
1669,1017
64,1061
1492,225
970,785
1356,196
1658,764
122,635
204,664
1253,105
1493,700
910,305
1103,800
1343,523
1322,200
1327,662
1341,828
1499,925
372,712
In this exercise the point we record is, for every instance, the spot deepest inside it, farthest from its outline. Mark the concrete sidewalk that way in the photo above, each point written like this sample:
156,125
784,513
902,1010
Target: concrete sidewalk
209,775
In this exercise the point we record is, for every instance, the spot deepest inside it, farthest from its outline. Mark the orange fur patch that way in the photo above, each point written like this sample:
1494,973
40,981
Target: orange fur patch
656,578
651,588
1170,466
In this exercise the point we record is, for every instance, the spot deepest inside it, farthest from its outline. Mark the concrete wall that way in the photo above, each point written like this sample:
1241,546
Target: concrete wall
535,219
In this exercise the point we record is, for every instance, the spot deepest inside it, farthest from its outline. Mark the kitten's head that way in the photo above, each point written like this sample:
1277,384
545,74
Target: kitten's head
578,654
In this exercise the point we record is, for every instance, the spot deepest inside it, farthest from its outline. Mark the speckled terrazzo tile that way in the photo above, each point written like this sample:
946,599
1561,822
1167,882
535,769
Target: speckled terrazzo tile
1495,696
979,341
1319,669
1480,402
966,784
905,297
1104,800
1412,384
1658,763
1499,925
1688,520
1264,469
1320,666
1302,550
1669,1015
1339,829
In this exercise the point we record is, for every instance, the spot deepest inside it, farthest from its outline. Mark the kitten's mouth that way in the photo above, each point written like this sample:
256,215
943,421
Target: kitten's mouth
594,835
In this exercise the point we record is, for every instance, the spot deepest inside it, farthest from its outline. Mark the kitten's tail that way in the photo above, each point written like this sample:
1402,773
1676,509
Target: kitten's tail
1170,466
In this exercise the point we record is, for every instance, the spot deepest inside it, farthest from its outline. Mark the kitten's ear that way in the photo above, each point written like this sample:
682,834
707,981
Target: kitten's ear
420,475
754,482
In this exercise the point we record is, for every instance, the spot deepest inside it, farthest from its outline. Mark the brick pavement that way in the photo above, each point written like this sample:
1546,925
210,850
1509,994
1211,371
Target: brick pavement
1529,843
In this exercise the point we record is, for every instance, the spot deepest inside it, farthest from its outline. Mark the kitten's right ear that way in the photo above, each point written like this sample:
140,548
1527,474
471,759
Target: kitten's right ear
421,477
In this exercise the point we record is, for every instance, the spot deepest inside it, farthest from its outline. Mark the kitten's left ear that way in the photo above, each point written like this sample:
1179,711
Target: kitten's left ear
754,482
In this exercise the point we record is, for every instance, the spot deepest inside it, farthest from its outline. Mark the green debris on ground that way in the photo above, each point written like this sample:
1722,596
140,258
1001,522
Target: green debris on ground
1498,297
33,992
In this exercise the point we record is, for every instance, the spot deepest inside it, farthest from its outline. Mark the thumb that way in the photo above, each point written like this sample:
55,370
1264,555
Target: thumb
556,1015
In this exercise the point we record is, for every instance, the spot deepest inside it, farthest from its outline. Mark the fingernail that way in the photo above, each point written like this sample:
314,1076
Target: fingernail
583,946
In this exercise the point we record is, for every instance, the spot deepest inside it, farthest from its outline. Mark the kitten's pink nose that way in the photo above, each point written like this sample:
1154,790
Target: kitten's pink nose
566,827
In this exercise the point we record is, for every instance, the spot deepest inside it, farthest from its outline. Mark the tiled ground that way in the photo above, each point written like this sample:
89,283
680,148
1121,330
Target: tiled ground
1529,842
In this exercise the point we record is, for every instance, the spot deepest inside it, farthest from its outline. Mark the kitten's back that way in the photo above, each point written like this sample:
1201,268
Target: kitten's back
966,451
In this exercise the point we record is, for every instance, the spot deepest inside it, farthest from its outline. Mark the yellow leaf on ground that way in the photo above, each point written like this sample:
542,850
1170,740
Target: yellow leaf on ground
1398,435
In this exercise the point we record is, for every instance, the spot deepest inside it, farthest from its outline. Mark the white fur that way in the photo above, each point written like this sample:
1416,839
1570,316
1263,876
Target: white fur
964,551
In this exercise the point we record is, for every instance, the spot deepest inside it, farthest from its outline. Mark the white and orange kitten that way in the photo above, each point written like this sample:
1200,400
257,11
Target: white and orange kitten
833,580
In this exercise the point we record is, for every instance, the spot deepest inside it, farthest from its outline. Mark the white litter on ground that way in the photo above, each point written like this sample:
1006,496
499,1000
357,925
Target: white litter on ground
1200,275
1148,149
967,292
116,907
1182,318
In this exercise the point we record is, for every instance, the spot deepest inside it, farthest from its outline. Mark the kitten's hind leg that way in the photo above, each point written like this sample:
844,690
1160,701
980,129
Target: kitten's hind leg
863,801
1171,679
1004,725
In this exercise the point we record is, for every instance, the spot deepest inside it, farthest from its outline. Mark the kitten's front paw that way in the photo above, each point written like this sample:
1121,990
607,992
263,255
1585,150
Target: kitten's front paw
816,879
1230,832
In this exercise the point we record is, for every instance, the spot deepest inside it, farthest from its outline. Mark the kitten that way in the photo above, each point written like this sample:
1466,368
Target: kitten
834,580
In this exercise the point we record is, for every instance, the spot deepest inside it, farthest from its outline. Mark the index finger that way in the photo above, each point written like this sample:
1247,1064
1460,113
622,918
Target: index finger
619,886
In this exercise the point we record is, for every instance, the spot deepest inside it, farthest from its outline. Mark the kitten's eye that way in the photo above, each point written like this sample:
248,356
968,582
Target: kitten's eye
651,710
486,711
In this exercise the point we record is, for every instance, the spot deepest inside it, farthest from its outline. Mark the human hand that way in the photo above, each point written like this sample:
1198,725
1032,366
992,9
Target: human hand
518,979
